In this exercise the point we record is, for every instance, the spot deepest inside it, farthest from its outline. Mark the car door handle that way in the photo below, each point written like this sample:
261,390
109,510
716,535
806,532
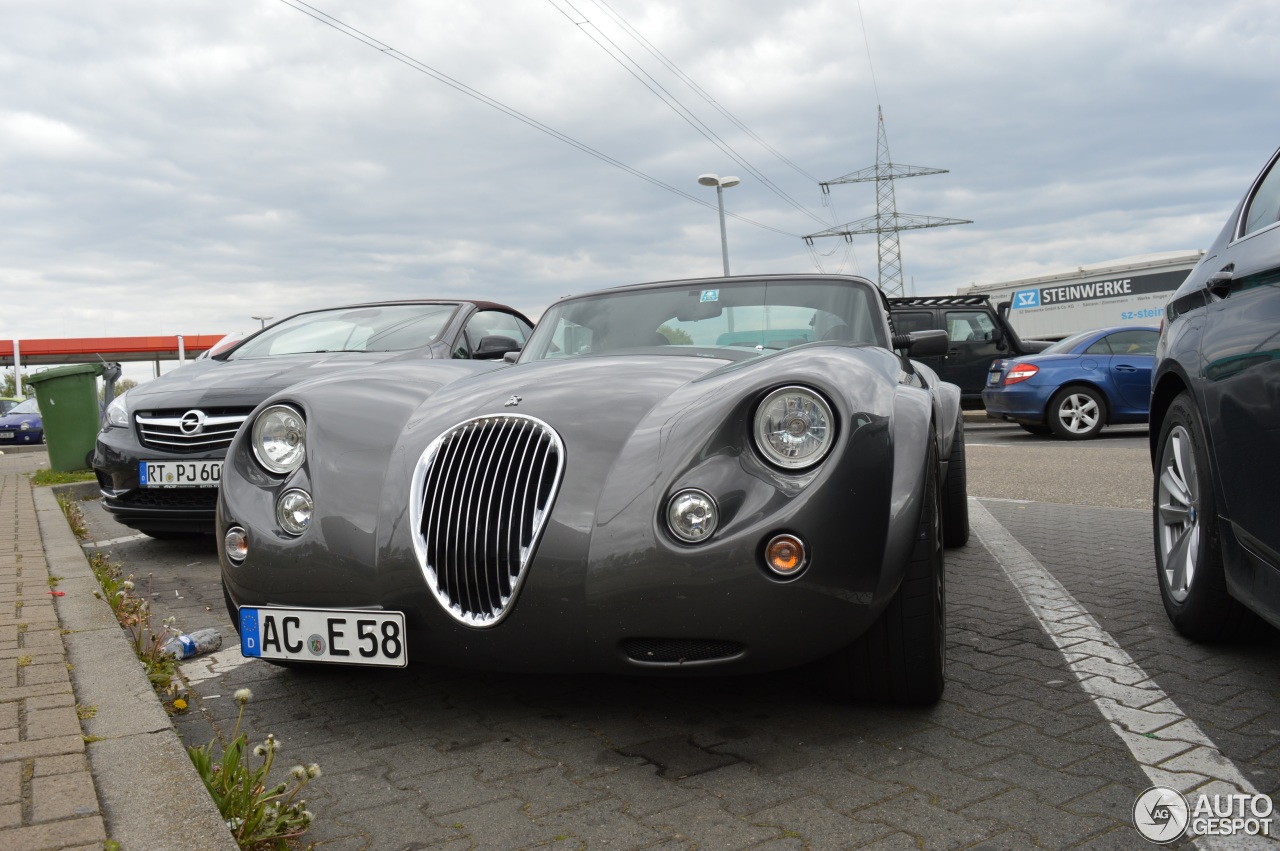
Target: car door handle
1124,367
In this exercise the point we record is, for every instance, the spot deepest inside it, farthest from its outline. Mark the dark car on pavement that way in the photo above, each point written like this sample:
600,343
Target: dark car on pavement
1215,430
1078,385
692,477
978,332
158,457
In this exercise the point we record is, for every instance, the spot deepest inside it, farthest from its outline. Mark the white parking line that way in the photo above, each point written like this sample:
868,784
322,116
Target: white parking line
89,545
1170,747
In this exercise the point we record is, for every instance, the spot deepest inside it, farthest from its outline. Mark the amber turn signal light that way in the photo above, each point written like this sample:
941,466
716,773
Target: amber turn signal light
785,555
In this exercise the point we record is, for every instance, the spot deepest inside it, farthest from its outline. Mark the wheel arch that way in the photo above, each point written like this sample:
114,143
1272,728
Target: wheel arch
1167,388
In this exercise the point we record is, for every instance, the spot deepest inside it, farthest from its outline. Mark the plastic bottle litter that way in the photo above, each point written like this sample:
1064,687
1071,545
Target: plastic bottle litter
193,644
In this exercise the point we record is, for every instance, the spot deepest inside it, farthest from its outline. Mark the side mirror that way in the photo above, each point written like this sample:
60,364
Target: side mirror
511,357
494,347
922,344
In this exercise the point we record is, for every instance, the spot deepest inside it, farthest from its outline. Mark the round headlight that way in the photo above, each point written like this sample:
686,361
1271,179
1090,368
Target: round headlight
794,427
280,439
293,511
692,516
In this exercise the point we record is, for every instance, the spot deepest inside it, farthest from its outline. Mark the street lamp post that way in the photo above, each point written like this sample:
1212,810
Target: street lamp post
262,320
721,184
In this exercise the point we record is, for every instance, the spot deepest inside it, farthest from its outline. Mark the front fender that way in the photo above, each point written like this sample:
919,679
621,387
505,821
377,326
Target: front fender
913,430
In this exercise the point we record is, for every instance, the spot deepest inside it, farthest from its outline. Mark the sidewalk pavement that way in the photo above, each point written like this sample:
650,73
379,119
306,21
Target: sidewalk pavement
87,753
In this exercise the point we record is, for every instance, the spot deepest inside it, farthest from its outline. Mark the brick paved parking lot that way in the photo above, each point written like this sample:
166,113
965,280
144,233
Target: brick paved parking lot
1045,736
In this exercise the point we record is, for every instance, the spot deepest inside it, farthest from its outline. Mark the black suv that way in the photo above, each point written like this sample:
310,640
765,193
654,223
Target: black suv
977,335
1215,430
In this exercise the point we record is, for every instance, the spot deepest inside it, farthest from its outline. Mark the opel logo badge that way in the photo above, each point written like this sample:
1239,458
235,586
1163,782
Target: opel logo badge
512,402
192,422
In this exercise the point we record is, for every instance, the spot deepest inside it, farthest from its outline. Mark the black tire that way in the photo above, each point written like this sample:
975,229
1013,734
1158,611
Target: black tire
955,493
901,659
1188,544
1077,412
1035,428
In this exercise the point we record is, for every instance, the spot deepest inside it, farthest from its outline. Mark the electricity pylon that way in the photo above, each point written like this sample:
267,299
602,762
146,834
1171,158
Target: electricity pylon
887,221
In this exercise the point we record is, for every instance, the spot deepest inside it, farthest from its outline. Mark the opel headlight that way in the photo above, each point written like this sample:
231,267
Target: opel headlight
117,415
280,439
794,427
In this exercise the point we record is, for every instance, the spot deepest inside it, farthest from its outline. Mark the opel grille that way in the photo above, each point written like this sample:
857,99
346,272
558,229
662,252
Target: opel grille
190,429
481,494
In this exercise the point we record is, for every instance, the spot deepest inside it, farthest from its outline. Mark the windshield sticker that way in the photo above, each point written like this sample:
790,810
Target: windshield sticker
710,295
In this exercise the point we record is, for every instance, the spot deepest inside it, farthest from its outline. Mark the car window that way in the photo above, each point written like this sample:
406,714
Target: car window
969,326
491,323
905,322
751,317
1066,345
373,328
1136,342
29,406
1100,347
1264,206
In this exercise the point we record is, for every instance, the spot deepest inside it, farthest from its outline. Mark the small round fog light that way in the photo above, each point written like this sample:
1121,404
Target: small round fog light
785,555
692,516
236,544
293,511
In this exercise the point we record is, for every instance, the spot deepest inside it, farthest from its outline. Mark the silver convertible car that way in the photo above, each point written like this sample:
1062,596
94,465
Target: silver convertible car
694,477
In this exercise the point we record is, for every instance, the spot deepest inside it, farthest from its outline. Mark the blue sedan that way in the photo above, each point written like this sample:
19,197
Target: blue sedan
1077,385
22,424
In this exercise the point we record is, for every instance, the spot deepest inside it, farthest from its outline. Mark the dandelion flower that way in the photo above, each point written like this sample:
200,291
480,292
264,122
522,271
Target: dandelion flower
179,704
313,770
243,695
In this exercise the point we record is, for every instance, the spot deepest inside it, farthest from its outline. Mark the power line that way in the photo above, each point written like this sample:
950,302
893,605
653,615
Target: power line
392,53
672,102
688,81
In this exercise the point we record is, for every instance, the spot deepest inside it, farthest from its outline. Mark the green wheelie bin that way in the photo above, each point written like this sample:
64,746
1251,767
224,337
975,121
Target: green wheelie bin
68,399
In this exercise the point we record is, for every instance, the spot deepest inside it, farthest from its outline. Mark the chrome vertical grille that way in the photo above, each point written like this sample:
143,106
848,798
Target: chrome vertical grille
481,494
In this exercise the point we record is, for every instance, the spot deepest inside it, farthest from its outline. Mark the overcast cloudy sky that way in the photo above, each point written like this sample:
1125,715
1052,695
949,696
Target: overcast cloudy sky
178,167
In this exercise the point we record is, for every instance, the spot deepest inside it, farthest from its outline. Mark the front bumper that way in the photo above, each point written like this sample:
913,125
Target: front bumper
116,456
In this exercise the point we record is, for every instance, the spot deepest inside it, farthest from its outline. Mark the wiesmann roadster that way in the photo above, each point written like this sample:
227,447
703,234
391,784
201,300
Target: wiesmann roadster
692,477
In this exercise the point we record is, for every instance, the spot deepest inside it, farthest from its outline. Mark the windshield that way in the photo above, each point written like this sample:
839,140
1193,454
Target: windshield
27,407
376,328
1063,346
751,317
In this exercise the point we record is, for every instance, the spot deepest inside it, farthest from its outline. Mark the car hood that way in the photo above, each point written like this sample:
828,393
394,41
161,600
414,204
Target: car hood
9,421
246,382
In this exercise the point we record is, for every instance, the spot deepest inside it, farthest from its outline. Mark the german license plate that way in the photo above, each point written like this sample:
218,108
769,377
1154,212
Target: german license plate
179,474
6,435
994,377
346,637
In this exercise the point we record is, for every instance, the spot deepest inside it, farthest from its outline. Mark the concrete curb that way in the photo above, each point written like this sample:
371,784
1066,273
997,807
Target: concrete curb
150,793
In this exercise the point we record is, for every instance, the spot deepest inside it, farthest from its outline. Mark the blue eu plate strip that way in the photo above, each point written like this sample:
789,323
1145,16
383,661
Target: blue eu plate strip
250,644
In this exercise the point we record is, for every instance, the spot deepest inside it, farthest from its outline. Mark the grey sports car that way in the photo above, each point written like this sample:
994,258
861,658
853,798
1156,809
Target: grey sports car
708,476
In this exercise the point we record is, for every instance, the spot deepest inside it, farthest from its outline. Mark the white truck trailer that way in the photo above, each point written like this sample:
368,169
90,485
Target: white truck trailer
1131,291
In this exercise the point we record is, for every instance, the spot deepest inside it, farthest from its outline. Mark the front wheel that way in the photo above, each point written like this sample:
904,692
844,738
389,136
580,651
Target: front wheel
1076,413
1193,584
955,493
901,658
